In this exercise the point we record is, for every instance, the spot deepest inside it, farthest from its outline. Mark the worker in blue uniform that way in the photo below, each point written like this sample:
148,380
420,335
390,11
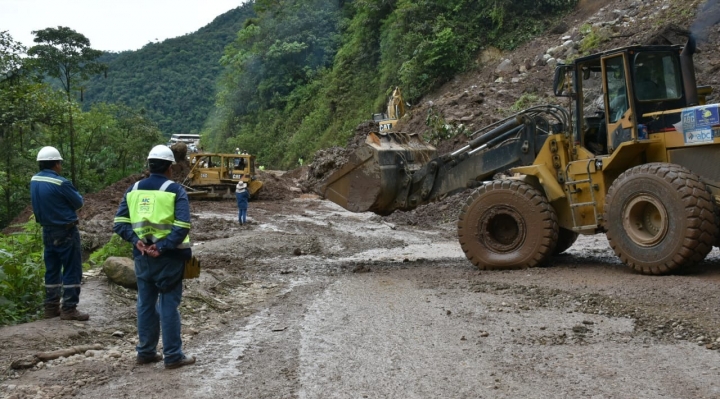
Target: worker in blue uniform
154,215
243,197
55,202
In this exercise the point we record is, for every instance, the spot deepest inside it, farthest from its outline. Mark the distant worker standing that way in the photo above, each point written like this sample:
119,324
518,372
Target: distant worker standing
154,215
243,196
55,202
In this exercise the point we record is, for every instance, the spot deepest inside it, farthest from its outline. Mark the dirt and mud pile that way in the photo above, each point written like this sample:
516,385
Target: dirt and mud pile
279,185
443,211
327,161
180,170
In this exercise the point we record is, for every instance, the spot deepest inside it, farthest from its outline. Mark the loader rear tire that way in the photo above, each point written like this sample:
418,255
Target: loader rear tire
659,218
566,238
507,224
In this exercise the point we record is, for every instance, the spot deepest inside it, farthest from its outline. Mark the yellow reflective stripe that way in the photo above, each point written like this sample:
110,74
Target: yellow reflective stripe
122,219
178,223
47,180
184,244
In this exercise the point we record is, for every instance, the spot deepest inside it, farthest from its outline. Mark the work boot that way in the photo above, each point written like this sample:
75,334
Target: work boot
185,361
147,360
73,314
52,310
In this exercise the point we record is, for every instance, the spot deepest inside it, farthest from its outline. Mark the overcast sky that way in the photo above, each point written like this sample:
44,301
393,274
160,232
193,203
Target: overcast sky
111,25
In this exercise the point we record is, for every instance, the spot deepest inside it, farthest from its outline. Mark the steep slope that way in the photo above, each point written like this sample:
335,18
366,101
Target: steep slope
174,81
498,88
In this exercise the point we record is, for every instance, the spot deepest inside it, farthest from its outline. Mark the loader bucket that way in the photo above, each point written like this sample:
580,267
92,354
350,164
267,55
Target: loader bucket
378,173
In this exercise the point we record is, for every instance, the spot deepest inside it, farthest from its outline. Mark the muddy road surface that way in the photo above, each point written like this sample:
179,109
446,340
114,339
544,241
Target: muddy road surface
311,301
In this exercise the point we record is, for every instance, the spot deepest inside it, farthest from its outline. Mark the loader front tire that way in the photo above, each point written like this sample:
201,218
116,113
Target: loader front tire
507,224
659,218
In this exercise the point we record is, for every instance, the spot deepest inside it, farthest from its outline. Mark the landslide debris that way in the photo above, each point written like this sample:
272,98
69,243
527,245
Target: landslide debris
326,162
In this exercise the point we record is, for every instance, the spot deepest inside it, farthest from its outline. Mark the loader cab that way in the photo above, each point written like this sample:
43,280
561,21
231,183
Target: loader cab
620,95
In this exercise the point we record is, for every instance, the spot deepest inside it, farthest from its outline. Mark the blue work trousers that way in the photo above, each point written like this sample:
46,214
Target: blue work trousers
242,215
63,266
159,293
242,203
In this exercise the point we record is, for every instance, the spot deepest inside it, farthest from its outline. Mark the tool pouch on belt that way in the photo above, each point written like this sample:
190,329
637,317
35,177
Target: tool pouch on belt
192,268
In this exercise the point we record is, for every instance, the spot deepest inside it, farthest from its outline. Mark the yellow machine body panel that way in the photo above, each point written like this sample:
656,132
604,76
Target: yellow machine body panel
215,175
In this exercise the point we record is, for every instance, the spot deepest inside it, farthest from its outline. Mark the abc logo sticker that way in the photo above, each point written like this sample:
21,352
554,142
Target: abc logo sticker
698,136
146,204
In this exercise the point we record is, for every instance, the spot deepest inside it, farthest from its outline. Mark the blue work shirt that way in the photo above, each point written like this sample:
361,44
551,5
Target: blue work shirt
54,199
168,244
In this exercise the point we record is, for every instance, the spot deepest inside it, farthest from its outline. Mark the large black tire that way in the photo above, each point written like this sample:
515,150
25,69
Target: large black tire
716,208
566,238
659,218
507,224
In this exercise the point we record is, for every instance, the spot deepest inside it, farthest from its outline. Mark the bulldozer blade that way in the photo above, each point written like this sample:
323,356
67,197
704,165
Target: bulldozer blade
375,175
254,187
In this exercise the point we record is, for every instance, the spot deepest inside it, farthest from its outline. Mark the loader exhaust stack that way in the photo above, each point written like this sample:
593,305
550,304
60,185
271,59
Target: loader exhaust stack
688,71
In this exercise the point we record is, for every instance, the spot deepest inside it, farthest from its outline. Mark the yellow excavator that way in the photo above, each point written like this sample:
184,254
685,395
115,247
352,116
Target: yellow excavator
634,156
395,111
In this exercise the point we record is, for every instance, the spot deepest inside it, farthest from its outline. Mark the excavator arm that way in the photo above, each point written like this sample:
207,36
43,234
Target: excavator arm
398,171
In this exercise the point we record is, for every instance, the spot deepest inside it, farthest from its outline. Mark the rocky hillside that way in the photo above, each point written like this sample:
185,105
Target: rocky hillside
506,82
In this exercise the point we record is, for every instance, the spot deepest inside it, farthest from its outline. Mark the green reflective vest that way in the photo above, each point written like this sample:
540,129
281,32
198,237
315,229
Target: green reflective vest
152,214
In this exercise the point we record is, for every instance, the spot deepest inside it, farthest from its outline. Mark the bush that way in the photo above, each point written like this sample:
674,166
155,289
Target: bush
440,129
525,101
115,247
22,274
592,39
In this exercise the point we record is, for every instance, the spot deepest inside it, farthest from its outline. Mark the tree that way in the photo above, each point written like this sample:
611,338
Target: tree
25,105
65,54
113,140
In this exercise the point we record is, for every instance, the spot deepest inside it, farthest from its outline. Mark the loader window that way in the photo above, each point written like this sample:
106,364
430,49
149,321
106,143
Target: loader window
657,76
616,86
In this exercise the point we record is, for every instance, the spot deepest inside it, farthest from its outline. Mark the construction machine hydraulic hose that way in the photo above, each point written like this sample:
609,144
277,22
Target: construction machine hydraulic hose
498,131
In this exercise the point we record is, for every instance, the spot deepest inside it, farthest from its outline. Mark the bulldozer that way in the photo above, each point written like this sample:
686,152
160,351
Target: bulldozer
215,175
634,155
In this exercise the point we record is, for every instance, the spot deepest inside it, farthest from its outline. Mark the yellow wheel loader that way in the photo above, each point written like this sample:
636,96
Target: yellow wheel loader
215,175
635,157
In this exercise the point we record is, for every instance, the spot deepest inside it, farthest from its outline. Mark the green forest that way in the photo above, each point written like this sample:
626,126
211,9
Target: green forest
173,82
302,74
282,79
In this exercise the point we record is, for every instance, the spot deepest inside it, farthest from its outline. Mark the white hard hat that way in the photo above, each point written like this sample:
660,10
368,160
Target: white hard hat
162,152
49,154
237,149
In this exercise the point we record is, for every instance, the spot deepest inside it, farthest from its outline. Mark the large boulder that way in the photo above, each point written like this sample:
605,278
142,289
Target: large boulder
121,271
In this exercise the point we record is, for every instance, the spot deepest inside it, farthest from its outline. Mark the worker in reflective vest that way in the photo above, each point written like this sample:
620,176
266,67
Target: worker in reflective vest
154,216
